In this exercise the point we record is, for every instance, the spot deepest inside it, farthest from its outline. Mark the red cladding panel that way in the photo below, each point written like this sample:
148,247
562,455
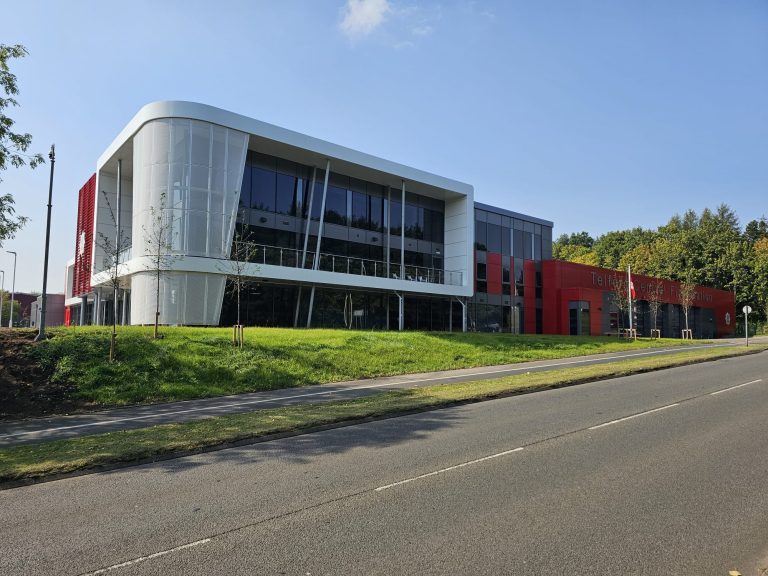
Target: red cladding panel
564,281
84,238
494,273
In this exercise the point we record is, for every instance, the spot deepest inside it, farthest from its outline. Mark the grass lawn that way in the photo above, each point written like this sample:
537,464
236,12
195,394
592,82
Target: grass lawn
63,456
201,362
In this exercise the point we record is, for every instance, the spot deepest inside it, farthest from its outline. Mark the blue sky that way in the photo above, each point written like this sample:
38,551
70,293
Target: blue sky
597,115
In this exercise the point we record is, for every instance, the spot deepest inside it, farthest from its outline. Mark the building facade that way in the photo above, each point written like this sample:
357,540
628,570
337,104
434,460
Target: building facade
192,201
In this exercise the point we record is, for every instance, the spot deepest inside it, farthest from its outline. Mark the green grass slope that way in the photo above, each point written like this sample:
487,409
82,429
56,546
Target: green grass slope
201,362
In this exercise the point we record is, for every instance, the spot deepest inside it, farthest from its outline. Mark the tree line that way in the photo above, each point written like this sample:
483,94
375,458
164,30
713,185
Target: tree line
710,249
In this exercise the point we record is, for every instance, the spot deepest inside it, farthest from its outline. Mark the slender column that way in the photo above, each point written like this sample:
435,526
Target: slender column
125,307
83,304
309,216
402,234
316,263
306,239
463,315
388,216
401,313
311,303
322,215
450,316
117,232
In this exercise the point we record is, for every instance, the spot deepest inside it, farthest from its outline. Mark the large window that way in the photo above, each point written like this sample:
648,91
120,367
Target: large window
376,213
412,224
336,205
481,235
494,238
263,186
360,218
287,195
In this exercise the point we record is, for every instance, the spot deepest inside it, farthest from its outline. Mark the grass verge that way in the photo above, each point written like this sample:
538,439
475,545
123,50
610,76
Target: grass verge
201,362
37,461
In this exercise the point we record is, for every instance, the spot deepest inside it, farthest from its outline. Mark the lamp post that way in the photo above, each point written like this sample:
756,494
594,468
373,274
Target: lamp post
13,289
2,287
41,332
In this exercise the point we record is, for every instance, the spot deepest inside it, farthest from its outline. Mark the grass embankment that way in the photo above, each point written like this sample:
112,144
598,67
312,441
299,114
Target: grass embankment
36,461
201,362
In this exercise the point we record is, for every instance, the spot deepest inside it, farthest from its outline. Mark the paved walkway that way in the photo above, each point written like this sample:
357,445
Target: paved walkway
15,432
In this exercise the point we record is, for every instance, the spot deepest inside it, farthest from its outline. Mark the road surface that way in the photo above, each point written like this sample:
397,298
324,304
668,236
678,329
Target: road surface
659,473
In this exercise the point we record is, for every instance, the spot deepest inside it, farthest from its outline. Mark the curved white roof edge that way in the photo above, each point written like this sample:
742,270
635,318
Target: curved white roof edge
206,113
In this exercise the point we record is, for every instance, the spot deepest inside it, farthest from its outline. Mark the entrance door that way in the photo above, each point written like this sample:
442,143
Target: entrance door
578,318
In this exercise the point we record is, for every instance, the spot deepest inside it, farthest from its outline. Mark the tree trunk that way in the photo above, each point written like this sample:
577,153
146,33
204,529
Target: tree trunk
157,302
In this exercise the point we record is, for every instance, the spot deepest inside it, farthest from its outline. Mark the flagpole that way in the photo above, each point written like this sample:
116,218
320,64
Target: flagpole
629,294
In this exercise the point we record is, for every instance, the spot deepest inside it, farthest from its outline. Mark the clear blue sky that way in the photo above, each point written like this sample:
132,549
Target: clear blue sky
598,115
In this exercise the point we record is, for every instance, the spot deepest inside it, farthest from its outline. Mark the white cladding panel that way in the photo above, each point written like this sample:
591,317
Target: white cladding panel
186,298
187,176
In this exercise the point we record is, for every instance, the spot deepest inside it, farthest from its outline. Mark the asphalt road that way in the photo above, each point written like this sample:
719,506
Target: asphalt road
68,426
660,473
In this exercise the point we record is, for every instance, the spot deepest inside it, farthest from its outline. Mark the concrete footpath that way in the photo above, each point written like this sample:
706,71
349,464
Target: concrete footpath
17,432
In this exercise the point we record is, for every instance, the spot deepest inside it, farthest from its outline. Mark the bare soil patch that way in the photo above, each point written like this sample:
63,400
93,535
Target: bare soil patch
25,391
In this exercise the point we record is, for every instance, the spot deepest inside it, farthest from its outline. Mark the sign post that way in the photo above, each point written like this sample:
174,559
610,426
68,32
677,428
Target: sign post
747,309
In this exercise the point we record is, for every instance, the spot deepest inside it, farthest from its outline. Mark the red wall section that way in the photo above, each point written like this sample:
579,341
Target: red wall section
84,238
529,297
560,277
494,273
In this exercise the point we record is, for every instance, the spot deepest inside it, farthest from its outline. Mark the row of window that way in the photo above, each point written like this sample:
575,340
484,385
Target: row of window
510,242
357,204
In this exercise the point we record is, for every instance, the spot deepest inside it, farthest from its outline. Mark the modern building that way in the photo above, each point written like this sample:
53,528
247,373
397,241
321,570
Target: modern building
315,234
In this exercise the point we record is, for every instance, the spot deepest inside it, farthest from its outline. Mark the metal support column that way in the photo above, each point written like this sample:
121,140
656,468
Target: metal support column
83,304
125,307
388,216
117,232
402,234
400,311
306,240
316,263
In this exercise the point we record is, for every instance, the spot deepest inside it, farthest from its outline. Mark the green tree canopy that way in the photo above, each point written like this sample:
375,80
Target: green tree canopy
13,145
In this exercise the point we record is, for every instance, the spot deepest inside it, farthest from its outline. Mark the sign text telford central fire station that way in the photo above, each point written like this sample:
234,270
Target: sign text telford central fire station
609,280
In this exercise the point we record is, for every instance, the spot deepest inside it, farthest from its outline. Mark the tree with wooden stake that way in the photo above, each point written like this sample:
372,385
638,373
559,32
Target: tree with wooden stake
655,289
686,295
158,239
242,254
112,248
620,299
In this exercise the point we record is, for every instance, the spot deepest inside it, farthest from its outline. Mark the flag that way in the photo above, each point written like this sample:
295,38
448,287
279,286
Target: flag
631,284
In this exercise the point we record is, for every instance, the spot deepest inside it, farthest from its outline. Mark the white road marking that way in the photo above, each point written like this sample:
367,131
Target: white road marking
436,472
633,416
145,558
734,387
351,389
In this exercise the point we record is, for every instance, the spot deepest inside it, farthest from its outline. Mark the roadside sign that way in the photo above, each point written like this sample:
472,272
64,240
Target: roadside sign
747,309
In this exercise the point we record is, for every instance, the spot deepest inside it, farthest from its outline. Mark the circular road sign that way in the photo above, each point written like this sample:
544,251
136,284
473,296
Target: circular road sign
747,309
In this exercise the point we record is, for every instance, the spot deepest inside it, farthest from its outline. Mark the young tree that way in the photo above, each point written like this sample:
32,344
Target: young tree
159,248
242,253
655,289
112,248
620,299
13,145
686,295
